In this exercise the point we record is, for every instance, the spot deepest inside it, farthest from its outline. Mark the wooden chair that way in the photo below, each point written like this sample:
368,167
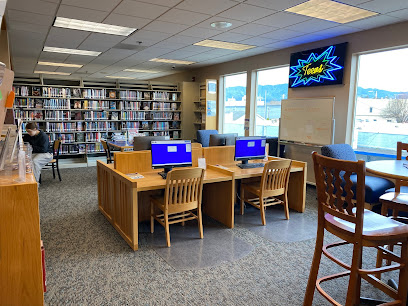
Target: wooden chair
107,152
347,219
274,183
182,196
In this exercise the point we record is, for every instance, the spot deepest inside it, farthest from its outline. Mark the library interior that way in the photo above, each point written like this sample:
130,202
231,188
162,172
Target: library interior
166,152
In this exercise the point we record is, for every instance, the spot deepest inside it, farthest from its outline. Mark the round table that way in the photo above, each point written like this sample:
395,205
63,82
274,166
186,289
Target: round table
389,168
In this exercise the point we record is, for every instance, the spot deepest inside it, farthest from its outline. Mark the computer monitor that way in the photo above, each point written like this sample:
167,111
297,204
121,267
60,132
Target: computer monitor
171,153
223,139
144,142
247,148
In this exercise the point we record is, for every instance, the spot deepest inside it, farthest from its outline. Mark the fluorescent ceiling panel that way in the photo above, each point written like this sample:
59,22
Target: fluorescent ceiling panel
52,72
142,70
223,45
71,51
59,64
83,25
331,11
171,61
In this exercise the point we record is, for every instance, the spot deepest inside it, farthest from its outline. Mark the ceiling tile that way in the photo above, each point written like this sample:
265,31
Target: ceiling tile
53,57
200,57
169,3
281,20
126,21
147,38
312,25
200,32
354,2
220,52
177,42
337,31
32,18
210,7
100,42
282,44
100,5
165,27
81,13
183,17
276,5
33,6
307,38
179,55
403,14
195,49
139,9
382,6
112,56
65,38
91,68
373,22
246,12
207,23
253,29
78,59
281,34
27,27
231,37
258,41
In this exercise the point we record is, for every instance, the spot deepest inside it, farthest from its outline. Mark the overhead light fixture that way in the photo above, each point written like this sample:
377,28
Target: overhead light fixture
223,45
171,61
221,24
71,51
142,70
59,64
52,72
331,11
119,77
97,27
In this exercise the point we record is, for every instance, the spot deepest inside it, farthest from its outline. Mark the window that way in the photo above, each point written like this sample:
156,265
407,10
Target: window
234,103
381,108
271,88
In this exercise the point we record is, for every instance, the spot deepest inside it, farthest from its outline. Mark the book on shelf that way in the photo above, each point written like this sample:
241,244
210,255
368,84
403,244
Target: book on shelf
76,93
146,105
112,94
36,91
78,116
146,95
77,104
112,105
115,116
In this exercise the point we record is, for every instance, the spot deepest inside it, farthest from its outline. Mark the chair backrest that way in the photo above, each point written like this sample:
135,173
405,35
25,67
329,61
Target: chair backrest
203,136
141,143
401,147
184,189
275,177
223,139
56,148
107,151
339,151
334,191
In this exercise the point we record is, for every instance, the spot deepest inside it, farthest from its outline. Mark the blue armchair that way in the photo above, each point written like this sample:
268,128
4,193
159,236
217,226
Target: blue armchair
374,186
203,137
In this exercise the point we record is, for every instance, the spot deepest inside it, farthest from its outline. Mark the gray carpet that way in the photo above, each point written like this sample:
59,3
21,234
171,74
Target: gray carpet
88,263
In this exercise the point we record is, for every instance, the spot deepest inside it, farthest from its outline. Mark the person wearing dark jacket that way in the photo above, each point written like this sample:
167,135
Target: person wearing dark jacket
41,148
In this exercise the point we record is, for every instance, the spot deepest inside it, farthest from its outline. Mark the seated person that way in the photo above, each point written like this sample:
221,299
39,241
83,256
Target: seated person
41,148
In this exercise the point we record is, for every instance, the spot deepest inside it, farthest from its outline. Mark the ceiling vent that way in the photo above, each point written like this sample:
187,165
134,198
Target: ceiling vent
129,47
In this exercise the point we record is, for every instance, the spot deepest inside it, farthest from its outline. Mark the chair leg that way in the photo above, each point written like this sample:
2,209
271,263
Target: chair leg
314,269
378,263
353,295
286,206
53,170
59,175
151,217
262,209
403,276
200,222
166,228
242,193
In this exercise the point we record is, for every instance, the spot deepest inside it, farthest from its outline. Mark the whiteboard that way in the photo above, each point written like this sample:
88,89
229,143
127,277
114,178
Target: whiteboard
308,120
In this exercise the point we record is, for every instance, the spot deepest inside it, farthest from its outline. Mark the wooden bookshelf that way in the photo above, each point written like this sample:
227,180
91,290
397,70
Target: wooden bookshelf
82,113
205,108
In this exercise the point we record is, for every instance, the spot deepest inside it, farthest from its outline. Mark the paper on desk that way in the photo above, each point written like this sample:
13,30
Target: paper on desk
135,175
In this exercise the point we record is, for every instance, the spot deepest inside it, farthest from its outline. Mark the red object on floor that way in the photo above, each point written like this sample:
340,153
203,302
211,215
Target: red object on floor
43,267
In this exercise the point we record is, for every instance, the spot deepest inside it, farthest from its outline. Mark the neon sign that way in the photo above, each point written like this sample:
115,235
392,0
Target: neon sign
323,66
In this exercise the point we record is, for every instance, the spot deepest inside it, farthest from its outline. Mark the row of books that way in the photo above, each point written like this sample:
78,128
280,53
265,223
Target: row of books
57,104
92,104
101,126
97,136
28,115
164,95
57,115
96,116
52,92
81,148
65,138
95,93
62,126
164,106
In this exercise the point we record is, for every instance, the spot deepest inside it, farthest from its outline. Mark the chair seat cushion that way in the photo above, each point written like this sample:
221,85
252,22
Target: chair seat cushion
404,189
397,197
375,226
374,187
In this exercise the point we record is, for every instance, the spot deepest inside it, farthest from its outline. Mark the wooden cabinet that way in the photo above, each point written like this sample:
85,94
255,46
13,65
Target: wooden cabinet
21,280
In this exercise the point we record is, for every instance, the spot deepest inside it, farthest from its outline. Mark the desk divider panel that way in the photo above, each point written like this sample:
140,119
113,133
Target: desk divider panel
219,155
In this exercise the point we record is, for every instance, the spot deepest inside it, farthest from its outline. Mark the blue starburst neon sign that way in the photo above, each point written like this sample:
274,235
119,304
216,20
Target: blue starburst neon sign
318,68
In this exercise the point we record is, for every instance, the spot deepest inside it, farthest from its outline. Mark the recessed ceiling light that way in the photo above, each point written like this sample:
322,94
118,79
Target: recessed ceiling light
331,11
71,51
171,61
60,64
119,77
221,24
89,26
223,45
52,72
142,70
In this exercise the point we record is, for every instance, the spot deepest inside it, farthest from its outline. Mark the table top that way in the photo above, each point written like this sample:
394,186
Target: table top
389,168
120,144
251,172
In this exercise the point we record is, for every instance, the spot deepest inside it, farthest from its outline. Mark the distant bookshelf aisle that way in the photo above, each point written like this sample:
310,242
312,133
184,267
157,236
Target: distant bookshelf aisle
81,116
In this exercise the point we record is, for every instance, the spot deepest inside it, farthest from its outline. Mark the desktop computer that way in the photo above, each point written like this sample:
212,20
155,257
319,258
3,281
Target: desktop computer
247,148
171,153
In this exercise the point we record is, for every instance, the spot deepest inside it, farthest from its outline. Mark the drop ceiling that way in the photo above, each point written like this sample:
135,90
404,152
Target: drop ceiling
168,29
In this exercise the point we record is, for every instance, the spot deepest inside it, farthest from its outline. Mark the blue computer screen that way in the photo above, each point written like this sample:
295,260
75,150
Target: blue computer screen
249,147
172,152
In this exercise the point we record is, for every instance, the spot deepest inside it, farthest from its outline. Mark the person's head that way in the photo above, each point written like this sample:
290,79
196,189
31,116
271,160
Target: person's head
32,128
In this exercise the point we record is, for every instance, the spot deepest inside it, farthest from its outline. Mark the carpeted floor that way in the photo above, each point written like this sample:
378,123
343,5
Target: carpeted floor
88,263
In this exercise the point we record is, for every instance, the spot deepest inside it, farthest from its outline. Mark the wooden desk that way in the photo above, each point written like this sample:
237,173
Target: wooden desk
122,145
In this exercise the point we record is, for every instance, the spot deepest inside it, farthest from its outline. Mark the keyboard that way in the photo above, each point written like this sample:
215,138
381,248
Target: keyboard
251,165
